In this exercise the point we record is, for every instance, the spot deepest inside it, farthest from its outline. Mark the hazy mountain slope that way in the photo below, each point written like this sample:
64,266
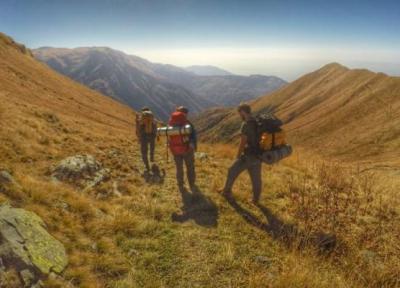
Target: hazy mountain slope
224,90
138,82
132,231
230,90
207,70
128,79
336,111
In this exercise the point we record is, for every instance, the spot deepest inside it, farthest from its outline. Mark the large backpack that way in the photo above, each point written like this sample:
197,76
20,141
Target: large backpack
270,132
272,139
178,144
147,122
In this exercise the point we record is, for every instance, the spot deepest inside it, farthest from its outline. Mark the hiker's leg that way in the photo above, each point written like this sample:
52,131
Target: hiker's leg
234,171
255,176
179,170
152,148
144,151
190,168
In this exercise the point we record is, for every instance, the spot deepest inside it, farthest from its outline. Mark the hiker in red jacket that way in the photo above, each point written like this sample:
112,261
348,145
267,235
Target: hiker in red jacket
183,147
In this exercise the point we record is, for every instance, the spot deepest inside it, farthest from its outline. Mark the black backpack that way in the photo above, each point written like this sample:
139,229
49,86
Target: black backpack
268,122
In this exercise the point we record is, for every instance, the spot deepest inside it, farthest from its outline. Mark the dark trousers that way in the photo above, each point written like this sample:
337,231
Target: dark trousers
147,142
253,166
188,159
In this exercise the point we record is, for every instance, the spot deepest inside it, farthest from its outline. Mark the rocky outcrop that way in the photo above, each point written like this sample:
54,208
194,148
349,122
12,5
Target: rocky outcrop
82,170
27,248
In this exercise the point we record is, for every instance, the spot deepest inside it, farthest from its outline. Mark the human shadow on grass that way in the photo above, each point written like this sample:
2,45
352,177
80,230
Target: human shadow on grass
197,207
288,234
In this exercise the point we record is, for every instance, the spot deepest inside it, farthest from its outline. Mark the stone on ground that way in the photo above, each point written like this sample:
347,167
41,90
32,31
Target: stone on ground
27,247
82,170
5,178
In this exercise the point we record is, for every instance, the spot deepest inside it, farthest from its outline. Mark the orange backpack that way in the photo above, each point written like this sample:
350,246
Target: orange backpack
147,122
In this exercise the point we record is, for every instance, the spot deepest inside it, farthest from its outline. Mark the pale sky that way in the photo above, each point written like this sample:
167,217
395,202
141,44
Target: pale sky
287,62
272,37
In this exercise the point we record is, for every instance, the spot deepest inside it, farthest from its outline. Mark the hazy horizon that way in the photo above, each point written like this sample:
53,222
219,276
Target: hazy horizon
262,37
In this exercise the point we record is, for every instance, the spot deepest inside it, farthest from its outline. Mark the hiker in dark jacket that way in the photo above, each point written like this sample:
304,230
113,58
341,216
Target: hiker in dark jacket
247,156
146,131
183,148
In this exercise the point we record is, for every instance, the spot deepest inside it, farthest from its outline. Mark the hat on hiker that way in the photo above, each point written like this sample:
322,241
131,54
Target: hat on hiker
182,109
243,107
145,109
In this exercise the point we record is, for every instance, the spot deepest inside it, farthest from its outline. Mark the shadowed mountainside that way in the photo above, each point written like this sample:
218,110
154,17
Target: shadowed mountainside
129,79
138,82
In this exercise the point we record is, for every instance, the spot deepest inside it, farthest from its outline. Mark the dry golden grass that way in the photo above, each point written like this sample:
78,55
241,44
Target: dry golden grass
151,236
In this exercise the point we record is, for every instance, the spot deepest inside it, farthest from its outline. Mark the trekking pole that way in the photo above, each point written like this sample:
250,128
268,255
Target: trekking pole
167,145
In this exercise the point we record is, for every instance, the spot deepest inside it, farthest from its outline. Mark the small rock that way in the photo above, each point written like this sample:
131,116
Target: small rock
368,255
262,260
39,284
94,246
2,266
201,156
6,178
115,189
63,205
27,277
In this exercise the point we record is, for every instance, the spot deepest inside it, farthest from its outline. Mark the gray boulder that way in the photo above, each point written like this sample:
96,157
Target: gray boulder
27,247
83,170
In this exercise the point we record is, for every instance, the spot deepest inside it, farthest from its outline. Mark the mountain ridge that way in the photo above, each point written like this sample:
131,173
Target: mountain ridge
207,70
129,79
176,86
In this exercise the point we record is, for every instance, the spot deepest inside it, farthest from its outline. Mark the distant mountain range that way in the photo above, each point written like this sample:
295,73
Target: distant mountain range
207,70
138,82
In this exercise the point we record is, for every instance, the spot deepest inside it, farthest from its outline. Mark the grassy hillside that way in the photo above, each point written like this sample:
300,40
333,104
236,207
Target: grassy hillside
353,115
149,235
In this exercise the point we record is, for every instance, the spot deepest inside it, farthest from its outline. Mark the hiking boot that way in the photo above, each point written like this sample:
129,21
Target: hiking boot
193,188
225,193
181,188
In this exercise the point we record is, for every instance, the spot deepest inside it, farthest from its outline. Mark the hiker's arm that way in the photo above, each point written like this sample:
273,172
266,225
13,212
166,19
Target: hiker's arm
155,126
242,145
137,124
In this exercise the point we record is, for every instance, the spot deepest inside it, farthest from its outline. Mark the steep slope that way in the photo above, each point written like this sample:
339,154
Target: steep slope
138,231
138,82
336,111
207,70
128,79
